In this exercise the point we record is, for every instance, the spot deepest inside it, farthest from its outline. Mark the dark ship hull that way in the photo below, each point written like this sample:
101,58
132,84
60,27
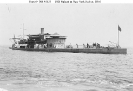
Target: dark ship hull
79,50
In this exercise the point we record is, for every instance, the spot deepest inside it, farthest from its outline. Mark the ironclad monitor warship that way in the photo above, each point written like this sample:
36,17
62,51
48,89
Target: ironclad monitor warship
56,43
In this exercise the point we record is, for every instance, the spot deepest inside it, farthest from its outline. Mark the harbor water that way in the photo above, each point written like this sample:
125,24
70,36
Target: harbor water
57,71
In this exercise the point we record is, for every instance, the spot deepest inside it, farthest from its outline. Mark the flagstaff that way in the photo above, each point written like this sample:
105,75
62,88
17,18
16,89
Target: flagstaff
119,29
118,38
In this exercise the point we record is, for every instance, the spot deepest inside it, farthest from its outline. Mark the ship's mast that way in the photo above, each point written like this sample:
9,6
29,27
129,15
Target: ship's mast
23,30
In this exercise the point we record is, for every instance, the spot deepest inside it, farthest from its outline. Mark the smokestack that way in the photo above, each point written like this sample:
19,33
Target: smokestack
42,30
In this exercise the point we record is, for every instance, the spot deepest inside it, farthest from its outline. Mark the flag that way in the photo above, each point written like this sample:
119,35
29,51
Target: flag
119,28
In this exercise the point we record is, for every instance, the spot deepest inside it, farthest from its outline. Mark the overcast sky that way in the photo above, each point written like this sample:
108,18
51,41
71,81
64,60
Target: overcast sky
81,23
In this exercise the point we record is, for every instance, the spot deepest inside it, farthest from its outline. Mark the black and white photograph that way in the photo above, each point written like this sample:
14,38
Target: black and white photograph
66,45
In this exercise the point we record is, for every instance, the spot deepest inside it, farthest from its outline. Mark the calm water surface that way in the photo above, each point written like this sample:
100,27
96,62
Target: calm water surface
43,71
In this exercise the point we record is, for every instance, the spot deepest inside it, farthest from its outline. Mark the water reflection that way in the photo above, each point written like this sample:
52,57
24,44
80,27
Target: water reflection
42,71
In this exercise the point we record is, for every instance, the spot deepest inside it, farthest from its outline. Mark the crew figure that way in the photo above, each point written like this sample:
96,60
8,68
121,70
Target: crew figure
83,45
87,45
77,45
